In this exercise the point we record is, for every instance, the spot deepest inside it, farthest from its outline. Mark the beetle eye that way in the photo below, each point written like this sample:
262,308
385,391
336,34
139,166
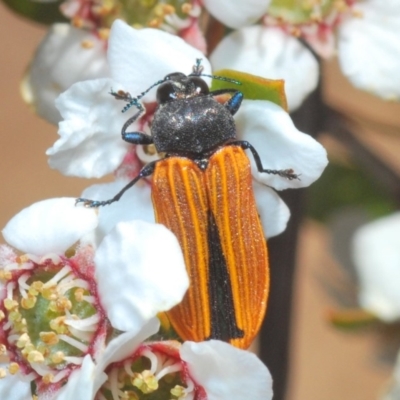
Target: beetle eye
165,92
200,85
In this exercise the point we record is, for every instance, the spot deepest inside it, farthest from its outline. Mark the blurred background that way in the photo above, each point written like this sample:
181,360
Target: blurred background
327,363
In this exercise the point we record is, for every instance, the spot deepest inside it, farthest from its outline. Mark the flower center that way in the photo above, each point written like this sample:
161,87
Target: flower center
49,318
100,14
151,374
298,12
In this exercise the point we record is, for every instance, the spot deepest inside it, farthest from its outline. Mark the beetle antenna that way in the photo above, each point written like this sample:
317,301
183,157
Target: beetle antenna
134,100
222,78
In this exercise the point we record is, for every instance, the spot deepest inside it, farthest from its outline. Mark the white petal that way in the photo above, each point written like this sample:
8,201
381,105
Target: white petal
139,58
134,204
49,226
140,271
81,382
227,373
126,344
273,211
280,145
60,61
90,143
369,49
376,253
272,54
236,14
13,387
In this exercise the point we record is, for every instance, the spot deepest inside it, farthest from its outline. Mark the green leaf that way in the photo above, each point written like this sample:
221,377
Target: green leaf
352,319
42,12
253,87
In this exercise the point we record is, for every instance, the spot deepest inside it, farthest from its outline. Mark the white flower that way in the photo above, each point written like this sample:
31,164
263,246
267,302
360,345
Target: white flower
123,281
65,56
214,369
367,42
376,253
369,48
93,138
239,13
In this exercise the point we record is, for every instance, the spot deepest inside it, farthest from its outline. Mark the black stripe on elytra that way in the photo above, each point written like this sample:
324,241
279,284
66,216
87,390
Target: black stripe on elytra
223,320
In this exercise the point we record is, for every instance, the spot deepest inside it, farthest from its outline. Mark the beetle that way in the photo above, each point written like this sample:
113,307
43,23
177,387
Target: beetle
202,191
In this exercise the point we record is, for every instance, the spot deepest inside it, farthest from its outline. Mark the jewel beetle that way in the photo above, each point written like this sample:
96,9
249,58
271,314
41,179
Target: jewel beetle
202,191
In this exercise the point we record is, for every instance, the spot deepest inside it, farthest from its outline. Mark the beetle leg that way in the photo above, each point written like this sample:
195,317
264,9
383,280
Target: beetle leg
145,171
135,137
234,102
285,173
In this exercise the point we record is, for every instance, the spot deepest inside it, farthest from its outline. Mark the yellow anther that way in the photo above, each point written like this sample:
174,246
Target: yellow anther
58,325
15,316
186,8
146,381
10,304
49,293
2,315
3,373
104,33
77,22
35,357
87,44
129,395
48,378
5,275
178,391
44,349
340,5
57,357
3,350
23,340
13,368
63,304
36,288
168,9
28,302
49,338
79,294
23,259
20,326
357,14
155,23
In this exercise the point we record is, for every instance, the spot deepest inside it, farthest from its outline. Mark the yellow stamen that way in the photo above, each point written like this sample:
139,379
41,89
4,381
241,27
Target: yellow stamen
35,357
146,381
49,338
13,368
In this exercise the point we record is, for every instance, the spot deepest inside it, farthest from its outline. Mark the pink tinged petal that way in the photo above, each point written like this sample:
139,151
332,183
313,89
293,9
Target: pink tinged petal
81,383
280,145
227,373
140,271
90,144
376,254
369,48
127,343
239,13
194,36
274,213
140,57
134,204
272,54
13,387
49,226
61,60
